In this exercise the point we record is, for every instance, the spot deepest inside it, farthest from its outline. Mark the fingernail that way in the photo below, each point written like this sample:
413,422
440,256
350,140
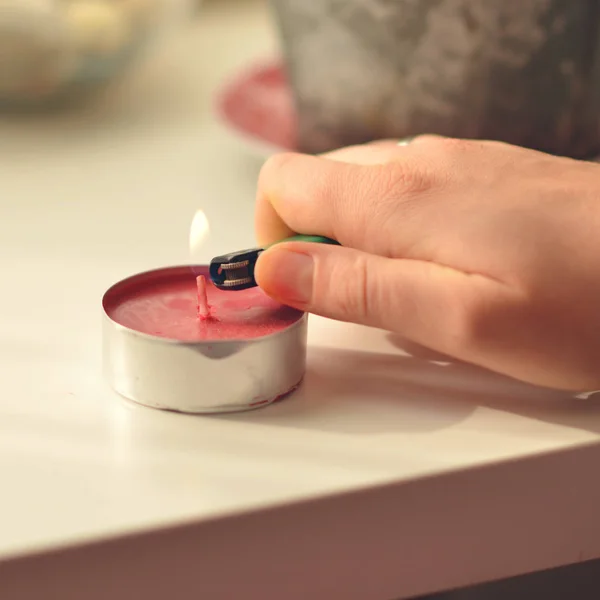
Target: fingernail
287,275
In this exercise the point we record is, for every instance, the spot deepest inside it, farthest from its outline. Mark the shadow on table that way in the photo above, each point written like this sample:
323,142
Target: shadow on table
509,395
418,391
574,582
346,391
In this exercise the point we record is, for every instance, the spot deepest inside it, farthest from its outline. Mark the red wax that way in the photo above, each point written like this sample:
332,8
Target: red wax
165,304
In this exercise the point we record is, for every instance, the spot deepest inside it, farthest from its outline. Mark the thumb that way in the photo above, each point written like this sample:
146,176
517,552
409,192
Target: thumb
430,304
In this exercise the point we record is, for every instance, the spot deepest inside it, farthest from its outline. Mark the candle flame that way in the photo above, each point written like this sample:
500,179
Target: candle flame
198,232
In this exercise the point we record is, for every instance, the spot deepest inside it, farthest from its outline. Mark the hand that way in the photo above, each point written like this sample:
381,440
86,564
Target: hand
483,251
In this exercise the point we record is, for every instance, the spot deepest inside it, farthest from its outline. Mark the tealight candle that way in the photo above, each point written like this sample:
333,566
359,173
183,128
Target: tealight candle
173,340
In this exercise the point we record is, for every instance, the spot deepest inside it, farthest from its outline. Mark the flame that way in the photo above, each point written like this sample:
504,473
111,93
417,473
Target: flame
198,232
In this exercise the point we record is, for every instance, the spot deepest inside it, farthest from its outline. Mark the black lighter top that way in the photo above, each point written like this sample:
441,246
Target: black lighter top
235,271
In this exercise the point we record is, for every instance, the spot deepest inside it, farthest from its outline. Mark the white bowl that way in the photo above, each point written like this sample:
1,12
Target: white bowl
50,49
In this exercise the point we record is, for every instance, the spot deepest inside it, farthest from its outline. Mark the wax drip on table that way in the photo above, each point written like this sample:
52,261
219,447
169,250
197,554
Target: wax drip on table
204,308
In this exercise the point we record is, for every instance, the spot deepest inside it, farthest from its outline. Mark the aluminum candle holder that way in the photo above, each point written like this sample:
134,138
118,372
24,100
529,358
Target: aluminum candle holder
160,353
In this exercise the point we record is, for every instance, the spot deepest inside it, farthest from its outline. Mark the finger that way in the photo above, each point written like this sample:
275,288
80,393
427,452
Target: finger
375,153
432,305
313,195
270,227
299,193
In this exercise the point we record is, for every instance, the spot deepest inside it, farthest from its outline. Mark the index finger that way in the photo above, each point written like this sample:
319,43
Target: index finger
333,195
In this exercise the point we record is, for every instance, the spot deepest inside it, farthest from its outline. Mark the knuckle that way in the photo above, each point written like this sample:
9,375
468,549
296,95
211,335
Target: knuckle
273,167
400,179
453,146
385,190
447,146
350,203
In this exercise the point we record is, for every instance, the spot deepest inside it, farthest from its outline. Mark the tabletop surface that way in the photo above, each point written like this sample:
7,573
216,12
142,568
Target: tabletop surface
90,198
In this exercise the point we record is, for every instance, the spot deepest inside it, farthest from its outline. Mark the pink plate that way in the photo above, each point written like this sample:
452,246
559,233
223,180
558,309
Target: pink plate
257,106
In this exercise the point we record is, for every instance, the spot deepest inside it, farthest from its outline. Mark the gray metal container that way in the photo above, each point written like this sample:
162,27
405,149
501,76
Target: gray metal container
525,72
200,377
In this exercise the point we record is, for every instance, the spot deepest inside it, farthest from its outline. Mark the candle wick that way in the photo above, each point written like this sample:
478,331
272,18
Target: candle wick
204,312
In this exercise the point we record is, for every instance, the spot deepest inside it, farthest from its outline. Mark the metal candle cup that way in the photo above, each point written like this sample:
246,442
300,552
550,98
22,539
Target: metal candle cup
194,373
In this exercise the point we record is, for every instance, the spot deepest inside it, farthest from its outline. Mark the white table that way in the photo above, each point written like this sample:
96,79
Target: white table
385,476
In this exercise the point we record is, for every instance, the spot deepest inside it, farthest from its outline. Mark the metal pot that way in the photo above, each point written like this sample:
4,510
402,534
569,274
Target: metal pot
527,73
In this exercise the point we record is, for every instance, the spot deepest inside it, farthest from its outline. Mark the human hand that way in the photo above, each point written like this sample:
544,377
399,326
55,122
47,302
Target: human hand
483,251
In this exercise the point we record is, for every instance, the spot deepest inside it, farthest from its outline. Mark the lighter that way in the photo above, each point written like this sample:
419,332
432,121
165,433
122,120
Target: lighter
235,271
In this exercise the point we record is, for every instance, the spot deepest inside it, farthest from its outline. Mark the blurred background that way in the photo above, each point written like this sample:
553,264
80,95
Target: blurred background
141,141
